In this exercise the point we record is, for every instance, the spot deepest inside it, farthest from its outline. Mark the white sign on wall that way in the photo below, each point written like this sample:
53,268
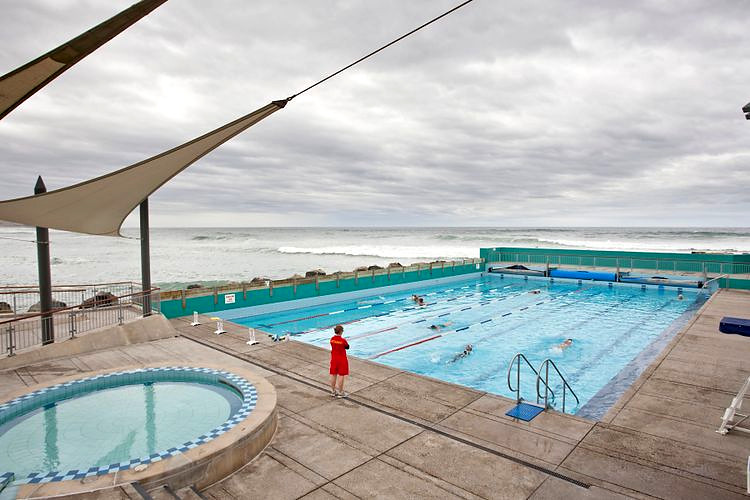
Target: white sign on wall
229,298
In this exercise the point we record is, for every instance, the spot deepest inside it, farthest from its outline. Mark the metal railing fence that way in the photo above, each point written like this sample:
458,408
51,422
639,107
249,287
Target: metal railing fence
22,299
666,265
26,331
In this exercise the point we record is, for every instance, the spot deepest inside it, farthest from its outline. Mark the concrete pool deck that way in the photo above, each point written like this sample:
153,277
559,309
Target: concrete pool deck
400,435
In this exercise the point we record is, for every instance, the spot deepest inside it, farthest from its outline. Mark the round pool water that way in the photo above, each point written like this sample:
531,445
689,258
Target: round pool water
117,421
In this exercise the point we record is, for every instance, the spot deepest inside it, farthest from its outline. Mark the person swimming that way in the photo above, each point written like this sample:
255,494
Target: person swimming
536,291
415,298
679,296
420,302
467,350
564,345
439,326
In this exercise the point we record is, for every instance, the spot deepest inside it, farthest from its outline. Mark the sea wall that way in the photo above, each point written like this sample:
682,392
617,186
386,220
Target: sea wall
241,295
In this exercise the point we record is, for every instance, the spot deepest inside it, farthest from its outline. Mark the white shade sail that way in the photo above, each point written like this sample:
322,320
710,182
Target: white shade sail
99,206
23,82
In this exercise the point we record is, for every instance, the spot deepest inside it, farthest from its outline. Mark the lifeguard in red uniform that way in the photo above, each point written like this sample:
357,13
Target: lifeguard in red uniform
339,363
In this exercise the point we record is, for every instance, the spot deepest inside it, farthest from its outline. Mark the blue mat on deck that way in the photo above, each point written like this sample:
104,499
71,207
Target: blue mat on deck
525,412
737,326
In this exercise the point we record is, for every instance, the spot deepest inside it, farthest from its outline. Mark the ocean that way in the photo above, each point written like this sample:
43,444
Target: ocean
180,256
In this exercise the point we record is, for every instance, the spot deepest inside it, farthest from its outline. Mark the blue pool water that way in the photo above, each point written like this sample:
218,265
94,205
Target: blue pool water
616,329
115,421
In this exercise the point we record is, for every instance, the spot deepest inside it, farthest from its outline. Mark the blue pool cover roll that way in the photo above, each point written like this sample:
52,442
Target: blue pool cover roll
737,326
582,275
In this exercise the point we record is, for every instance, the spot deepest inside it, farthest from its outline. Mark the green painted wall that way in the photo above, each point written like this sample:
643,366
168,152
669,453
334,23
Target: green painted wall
204,304
656,261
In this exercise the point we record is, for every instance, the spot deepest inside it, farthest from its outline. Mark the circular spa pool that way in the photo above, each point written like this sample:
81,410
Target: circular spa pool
118,421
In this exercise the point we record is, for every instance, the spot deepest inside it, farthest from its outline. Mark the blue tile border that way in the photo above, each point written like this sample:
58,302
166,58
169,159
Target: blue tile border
41,397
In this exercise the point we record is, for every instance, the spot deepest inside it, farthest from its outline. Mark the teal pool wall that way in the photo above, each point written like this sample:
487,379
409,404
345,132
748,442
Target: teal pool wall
205,304
711,263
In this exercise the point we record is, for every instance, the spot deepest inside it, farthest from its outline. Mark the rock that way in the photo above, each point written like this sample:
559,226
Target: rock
360,268
56,304
99,300
193,285
259,280
5,308
374,268
315,272
395,264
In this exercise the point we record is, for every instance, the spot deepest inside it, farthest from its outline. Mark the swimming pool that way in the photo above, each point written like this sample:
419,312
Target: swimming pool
616,330
117,421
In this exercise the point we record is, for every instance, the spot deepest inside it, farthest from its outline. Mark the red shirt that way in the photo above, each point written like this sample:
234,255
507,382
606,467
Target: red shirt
339,345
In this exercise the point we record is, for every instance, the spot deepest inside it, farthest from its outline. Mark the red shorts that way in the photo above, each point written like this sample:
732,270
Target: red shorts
339,365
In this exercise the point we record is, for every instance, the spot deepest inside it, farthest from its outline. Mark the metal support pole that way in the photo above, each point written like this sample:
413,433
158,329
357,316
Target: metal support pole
145,259
45,275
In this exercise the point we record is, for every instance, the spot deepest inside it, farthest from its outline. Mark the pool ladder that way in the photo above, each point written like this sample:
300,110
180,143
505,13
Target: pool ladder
549,394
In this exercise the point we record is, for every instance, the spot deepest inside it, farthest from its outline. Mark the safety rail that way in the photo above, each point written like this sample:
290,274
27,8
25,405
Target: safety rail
30,330
715,279
545,366
520,356
22,299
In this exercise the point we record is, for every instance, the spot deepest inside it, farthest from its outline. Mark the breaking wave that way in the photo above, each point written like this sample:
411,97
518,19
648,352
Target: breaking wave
386,251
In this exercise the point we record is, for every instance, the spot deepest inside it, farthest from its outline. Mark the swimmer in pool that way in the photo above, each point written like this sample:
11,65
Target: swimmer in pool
565,345
440,326
420,302
679,296
415,298
467,350
535,291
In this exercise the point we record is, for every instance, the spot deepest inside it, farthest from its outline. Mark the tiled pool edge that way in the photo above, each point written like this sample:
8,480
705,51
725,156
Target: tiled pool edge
200,465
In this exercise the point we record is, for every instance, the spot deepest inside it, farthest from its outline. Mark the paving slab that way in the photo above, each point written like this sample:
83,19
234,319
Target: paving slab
471,469
678,456
554,424
368,481
357,424
700,436
323,453
555,489
642,478
264,477
426,399
516,439
295,396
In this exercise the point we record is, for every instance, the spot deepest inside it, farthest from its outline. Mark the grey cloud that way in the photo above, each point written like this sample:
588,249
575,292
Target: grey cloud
502,113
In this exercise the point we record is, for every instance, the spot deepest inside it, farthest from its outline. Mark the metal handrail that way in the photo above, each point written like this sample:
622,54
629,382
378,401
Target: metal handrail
715,279
545,365
31,330
517,390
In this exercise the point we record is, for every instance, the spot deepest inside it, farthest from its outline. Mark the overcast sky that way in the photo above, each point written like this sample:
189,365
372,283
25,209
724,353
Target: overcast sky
503,113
